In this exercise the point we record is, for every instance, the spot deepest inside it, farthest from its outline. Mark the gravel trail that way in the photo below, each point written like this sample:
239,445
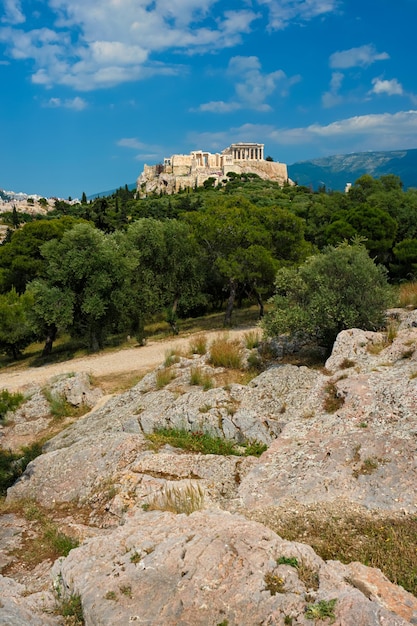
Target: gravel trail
138,359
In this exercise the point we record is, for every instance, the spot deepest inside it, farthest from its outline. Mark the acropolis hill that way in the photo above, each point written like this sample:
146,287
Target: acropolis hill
181,171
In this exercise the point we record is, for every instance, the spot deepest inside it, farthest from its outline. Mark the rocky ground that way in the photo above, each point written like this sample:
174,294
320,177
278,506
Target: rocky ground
340,440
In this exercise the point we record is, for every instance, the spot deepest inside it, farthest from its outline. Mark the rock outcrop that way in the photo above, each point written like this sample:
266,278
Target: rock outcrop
343,437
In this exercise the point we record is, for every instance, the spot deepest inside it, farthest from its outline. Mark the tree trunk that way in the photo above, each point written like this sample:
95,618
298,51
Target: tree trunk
51,333
172,317
230,303
94,341
260,302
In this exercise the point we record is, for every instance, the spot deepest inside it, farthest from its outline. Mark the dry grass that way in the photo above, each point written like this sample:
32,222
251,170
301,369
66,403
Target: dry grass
45,541
252,339
226,352
177,499
117,383
407,295
200,378
163,377
332,400
389,543
198,344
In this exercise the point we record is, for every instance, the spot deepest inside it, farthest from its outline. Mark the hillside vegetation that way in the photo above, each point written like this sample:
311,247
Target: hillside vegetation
111,265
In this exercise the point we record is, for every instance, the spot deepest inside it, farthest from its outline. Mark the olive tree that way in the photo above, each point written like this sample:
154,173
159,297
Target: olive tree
338,289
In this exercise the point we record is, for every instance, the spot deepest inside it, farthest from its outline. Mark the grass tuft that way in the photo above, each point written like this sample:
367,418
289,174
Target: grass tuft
199,377
407,296
9,402
178,499
198,344
164,377
252,339
226,353
204,443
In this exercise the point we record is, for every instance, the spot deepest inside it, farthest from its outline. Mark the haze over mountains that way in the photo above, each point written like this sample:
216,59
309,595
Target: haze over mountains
333,172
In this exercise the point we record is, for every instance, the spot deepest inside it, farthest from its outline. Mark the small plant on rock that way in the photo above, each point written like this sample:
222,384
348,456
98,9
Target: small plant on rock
332,401
284,560
321,610
274,584
178,499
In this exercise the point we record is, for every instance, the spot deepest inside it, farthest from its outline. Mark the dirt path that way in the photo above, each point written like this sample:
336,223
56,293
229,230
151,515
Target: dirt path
131,360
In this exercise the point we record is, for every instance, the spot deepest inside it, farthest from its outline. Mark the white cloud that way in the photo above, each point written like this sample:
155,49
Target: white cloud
332,97
13,12
101,43
367,132
362,56
388,87
77,103
252,87
218,106
131,142
282,12
386,131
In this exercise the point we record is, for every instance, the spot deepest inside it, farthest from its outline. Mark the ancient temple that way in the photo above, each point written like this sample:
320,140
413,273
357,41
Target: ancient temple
180,171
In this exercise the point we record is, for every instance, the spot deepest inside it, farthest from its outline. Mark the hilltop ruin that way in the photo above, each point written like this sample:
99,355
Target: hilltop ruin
182,171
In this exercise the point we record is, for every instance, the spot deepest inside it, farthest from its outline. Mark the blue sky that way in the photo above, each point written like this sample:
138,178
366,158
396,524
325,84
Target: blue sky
93,89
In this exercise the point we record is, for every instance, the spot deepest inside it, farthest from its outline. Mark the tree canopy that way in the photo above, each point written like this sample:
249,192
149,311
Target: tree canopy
338,289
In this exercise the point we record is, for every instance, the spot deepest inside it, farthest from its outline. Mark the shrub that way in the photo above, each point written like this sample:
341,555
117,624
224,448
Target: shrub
72,608
226,353
338,289
9,402
13,464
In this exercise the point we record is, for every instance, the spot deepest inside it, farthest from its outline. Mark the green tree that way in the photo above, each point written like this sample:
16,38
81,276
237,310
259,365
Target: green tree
15,330
244,244
405,263
20,259
168,275
87,278
338,289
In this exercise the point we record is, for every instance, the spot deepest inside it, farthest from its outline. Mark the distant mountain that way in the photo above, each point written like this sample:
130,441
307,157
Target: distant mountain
102,194
335,171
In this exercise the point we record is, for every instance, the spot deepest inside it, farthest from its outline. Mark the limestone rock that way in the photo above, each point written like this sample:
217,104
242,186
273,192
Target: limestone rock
211,568
18,609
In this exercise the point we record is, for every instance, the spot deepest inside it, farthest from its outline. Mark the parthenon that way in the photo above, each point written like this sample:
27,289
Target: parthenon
182,171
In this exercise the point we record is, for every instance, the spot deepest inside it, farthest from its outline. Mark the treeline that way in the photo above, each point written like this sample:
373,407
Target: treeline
110,265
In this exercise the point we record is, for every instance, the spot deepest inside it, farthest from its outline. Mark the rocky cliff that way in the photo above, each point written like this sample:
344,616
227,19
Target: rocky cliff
340,441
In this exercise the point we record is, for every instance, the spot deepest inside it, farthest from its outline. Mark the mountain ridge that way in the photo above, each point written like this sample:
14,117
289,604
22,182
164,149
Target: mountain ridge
334,172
